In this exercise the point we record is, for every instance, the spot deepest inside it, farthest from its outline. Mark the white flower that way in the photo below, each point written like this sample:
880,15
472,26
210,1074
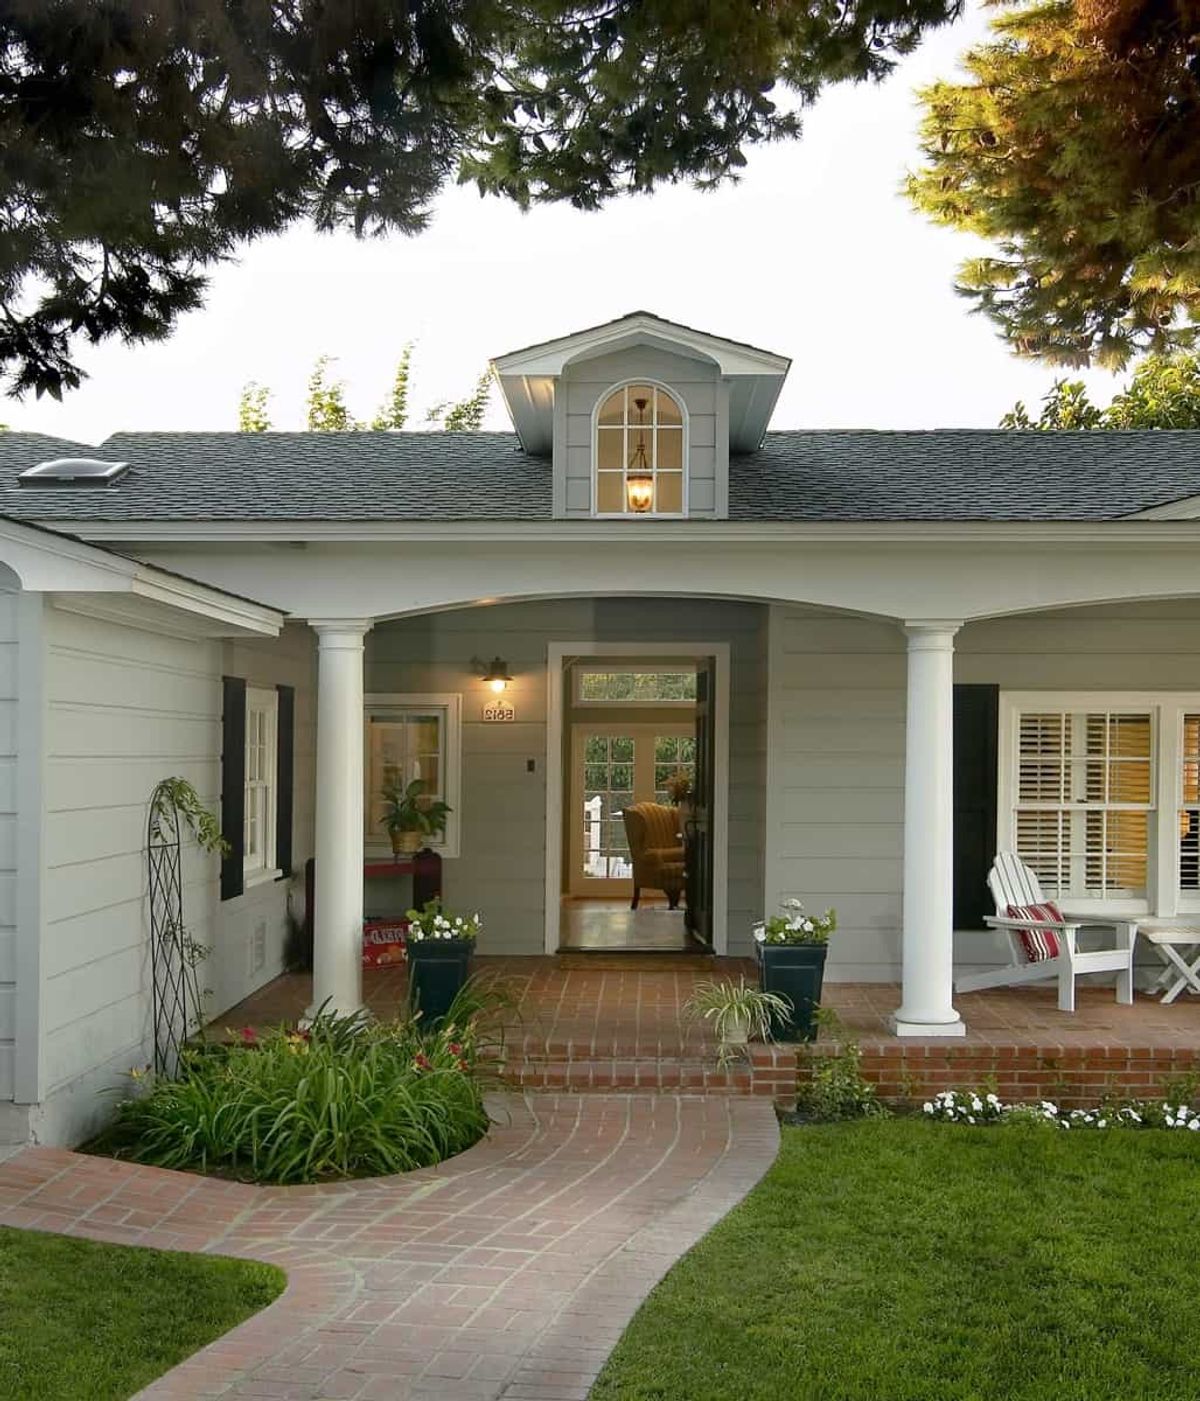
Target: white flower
808,926
928,1108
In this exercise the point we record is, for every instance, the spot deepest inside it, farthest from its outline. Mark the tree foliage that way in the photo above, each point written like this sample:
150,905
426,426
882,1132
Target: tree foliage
1163,393
326,410
1074,147
143,141
465,416
254,408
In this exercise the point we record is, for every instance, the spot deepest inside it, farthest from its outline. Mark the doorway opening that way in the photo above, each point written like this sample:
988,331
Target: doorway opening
639,823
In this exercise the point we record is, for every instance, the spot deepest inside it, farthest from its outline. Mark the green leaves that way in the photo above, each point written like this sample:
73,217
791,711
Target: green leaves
142,145
1163,393
347,1098
1074,147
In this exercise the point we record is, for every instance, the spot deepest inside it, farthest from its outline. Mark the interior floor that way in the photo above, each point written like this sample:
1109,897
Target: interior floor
611,924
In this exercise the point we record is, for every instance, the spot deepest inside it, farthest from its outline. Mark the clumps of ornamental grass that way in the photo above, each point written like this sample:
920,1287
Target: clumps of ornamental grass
347,1096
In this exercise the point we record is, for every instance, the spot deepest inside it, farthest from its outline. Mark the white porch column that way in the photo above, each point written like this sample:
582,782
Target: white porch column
338,913
927,1007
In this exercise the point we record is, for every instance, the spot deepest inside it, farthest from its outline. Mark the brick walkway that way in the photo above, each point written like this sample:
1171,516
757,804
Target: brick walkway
509,1271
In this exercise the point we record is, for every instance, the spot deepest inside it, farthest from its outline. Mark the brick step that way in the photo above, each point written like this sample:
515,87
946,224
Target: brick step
769,1073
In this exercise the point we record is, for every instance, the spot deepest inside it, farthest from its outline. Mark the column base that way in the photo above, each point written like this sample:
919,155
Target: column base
900,1027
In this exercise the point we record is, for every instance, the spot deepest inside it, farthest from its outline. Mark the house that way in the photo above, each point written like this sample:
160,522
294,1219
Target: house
877,656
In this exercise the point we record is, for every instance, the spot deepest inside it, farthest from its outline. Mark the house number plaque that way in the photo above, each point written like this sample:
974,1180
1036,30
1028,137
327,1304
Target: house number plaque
499,711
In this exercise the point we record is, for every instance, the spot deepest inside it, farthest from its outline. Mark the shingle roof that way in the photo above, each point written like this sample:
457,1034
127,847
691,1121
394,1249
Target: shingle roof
951,474
963,474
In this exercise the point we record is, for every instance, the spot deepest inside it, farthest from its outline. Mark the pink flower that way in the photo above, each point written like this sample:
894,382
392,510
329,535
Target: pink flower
249,1036
422,1062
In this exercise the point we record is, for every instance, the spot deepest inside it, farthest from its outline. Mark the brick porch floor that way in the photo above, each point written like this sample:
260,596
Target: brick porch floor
507,1272
610,1025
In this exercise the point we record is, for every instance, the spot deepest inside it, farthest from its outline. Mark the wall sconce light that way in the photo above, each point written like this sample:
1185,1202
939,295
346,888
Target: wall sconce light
495,673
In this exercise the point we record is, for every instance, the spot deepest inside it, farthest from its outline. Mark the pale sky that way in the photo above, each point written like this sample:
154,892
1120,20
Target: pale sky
815,254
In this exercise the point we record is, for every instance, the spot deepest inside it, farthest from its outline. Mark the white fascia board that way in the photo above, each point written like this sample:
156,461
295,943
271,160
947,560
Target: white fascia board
46,561
231,614
1130,531
550,357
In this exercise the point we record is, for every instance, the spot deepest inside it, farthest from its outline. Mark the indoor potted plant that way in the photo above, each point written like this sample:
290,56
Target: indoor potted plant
791,963
737,1012
411,814
438,947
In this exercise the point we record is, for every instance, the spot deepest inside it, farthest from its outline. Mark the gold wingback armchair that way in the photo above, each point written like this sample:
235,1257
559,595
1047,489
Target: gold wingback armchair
656,848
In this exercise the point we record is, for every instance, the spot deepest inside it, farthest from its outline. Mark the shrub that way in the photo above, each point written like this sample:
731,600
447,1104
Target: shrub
348,1097
834,1086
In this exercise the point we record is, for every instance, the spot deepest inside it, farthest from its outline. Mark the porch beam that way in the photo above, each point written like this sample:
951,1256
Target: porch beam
927,1007
338,902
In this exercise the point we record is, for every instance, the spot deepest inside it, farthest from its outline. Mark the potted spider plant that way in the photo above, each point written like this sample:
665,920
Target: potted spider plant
791,949
737,1013
411,814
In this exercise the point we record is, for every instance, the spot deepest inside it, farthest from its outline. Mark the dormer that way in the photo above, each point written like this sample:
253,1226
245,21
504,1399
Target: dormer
640,415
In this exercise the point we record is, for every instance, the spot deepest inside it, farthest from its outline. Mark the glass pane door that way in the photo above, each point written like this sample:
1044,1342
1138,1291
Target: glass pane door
614,766
608,762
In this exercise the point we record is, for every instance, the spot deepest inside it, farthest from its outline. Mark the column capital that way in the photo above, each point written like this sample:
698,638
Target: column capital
931,634
346,627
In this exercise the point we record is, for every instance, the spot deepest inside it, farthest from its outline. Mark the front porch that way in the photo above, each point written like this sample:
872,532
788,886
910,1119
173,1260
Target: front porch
590,1022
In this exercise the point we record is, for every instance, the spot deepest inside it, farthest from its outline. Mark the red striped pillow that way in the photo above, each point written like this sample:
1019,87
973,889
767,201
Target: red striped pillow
1042,943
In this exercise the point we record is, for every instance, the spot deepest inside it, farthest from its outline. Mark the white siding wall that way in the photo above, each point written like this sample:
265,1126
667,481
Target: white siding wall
127,707
836,778
694,382
9,603
501,871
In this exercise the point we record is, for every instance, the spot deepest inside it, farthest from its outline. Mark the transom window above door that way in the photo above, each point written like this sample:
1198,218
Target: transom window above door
640,453
601,685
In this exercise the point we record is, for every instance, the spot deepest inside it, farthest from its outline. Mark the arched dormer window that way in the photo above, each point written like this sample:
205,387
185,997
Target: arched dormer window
640,452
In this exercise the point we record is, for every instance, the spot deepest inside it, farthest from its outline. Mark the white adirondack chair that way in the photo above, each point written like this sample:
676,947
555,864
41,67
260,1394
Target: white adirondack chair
1013,883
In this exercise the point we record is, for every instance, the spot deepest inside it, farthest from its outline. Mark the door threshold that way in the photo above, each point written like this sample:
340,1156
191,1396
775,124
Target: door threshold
636,960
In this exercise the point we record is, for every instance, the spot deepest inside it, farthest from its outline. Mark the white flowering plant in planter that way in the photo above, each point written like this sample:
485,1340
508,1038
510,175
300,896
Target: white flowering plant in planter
433,922
794,925
976,1108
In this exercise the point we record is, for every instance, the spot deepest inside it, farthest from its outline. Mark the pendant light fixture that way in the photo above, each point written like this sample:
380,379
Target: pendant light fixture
639,476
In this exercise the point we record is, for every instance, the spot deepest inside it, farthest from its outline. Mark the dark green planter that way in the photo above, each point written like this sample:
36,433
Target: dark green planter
437,969
794,971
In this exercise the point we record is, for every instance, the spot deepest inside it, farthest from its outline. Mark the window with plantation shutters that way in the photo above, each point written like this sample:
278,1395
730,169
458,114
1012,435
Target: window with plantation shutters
1100,795
1084,795
1189,804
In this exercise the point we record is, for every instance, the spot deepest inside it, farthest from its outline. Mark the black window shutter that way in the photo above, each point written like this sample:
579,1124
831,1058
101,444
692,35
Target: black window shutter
285,734
233,785
976,747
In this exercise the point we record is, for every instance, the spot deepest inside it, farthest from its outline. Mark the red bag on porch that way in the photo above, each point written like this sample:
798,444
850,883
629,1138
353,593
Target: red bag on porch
383,942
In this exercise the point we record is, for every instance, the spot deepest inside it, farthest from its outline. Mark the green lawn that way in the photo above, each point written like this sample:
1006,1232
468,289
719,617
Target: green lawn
901,1260
92,1322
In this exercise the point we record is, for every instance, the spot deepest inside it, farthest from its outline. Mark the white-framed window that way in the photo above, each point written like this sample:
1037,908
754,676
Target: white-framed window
409,737
1100,795
640,452
261,781
649,683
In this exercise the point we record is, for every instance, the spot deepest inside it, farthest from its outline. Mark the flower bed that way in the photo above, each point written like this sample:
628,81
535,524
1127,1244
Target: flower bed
348,1097
977,1108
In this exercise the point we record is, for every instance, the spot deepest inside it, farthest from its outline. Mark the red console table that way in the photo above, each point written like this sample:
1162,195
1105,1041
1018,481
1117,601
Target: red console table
380,870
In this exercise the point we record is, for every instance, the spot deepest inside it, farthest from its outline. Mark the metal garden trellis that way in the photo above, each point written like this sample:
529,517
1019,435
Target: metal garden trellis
173,955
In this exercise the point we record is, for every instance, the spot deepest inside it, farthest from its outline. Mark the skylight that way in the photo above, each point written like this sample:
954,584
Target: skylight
74,471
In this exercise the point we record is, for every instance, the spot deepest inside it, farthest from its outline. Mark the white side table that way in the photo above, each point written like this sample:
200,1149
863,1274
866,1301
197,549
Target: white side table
1178,947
